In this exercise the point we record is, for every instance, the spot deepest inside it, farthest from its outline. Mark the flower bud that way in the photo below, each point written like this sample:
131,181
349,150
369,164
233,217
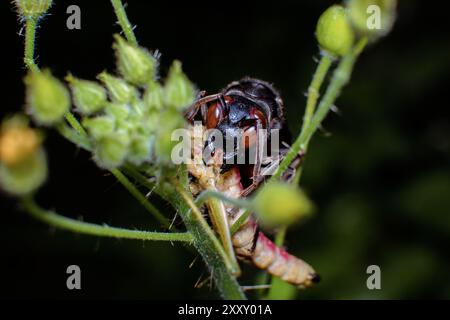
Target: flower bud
179,92
140,149
32,8
169,120
88,96
100,126
279,204
23,165
135,64
111,151
118,111
154,96
17,141
373,18
119,90
25,177
47,98
334,32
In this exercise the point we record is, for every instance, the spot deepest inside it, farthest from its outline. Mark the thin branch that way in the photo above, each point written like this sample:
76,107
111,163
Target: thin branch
140,197
237,224
61,222
30,36
123,21
340,78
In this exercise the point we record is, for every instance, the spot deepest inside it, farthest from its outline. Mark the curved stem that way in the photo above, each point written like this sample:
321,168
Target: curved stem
73,225
207,194
140,197
123,21
30,35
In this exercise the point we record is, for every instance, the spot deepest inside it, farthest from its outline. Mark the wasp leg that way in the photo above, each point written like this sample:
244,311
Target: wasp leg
256,175
200,102
291,171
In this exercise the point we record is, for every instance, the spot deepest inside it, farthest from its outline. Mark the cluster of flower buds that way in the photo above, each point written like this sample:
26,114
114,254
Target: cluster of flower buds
23,164
129,117
339,25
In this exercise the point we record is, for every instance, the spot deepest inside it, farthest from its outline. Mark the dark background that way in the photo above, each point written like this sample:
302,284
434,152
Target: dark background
380,180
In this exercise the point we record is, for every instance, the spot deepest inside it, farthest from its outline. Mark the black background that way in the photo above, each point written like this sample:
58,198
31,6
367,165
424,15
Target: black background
380,181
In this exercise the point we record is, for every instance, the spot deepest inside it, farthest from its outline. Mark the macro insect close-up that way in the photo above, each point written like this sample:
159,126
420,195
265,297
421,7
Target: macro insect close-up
279,151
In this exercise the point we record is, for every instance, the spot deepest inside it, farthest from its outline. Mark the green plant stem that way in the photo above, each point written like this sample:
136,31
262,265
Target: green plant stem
240,203
61,222
313,95
206,242
219,219
339,79
208,194
314,88
70,134
237,224
30,35
75,124
140,197
123,21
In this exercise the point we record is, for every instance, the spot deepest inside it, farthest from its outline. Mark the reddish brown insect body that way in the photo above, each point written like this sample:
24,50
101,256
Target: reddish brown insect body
249,106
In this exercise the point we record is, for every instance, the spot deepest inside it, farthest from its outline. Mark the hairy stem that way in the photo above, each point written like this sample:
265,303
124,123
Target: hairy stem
339,79
140,197
123,21
314,88
30,35
206,243
61,222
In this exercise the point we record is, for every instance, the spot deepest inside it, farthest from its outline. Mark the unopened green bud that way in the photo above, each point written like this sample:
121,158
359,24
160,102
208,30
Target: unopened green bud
373,18
169,121
100,126
179,92
140,149
334,32
279,204
47,98
119,90
111,151
23,165
25,177
88,96
32,8
118,111
154,96
135,64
